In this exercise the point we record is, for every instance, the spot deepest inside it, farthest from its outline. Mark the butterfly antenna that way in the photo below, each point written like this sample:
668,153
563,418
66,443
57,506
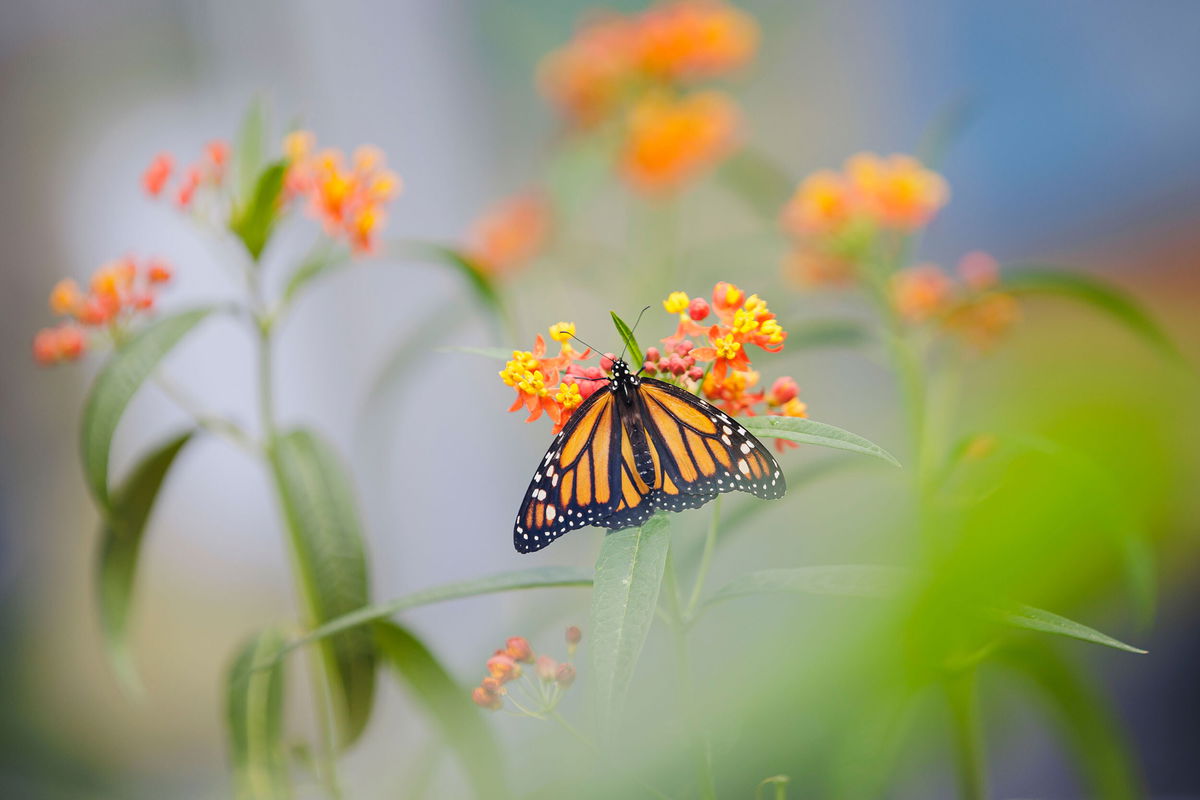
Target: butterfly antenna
585,344
636,322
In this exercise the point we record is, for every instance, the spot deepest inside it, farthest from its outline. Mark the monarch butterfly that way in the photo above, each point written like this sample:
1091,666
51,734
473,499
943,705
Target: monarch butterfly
639,445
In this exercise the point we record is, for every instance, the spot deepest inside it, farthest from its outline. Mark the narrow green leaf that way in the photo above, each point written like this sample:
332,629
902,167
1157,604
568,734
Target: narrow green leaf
807,431
254,719
761,183
946,128
254,221
826,333
250,149
840,580
120,547
1036,619
626,333
448,703
324,258
116,385
535,578
1105,758
477,278
326,539
629,573
1042,280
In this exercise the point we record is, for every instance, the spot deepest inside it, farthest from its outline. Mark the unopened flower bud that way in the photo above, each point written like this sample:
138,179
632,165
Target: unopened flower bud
492,685
649,367
503,667
652,354
517,648
574,637
698,309
565,675
684,347
547,668
485,699
695,373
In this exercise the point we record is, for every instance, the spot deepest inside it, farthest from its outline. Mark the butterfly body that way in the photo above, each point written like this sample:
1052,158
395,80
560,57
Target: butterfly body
636,446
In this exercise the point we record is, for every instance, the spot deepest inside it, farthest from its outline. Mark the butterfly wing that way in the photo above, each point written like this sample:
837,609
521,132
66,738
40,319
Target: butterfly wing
575,483
702,450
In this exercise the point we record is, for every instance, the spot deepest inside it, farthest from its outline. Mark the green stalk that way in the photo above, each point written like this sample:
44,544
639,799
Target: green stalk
678,627
710,543
320,658
968,735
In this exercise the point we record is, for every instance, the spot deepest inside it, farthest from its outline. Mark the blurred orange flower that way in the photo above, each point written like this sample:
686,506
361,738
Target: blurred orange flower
155,178
510,234
588,77
921,292
672,140
897,192
693,39
822,204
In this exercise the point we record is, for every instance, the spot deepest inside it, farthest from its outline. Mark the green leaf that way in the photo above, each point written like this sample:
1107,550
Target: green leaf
1105,758
1039,280
324,258
841,580
254,220
946,129
116,385
867,580
757,180
535,578
120,547
448,703
254,719
326,540
1036,619
626,333
250,149
826,333
629,573
807,431
478,279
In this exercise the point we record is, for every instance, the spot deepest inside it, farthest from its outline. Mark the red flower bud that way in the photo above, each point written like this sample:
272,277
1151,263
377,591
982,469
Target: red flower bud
698,309
695,373
684,347
503,667
574,635
517,648
565,675
606,362
652,354
649,367
492,685
485,699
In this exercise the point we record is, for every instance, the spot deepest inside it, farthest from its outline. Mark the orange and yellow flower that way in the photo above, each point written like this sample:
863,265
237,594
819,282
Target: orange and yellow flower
504,667
694,39
898,192
349,199
545,384
974,307
671,140
588,77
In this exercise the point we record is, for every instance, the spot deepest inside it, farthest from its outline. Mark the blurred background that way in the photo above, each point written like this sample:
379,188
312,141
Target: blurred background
1079,149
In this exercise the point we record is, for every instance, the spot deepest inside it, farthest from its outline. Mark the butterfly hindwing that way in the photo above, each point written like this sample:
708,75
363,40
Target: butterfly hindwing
575,482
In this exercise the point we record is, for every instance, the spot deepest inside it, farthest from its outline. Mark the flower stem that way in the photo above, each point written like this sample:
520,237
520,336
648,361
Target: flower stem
678,628
968,735
710,542
212,423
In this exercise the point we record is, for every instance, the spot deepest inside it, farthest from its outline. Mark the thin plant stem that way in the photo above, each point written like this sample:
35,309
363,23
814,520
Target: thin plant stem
217,425
710,543
968,735
320,668
678,629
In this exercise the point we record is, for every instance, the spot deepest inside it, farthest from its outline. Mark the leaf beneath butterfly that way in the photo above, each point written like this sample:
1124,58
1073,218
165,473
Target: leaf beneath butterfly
629,573
807,431
535,578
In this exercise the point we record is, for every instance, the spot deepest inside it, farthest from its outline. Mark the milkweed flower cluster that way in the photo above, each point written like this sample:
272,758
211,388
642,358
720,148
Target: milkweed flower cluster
708,354
545,679
719,369
554,385
349,199
641,71
971,304
834,216
118,292
206,172
510,234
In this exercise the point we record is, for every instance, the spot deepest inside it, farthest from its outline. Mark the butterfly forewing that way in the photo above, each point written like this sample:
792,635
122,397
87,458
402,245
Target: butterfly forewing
573,485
